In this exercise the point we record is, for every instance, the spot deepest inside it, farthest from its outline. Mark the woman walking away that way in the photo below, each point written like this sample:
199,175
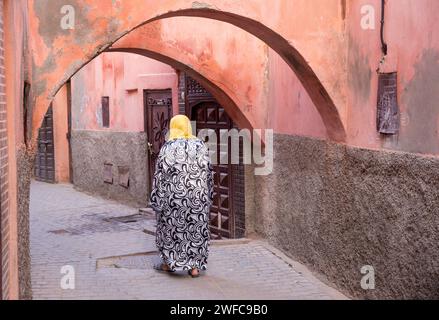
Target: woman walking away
181,196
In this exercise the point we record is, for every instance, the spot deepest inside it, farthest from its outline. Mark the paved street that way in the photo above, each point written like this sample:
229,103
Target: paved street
112,250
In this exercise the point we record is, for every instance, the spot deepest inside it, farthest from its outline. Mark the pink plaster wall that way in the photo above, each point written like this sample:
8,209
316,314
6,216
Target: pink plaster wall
411,34
122,77
291,110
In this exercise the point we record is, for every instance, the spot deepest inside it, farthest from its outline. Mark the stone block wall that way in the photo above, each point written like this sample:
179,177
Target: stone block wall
337,208
92,151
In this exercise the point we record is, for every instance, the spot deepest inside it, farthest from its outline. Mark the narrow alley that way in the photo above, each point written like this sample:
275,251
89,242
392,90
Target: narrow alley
290,147
112,249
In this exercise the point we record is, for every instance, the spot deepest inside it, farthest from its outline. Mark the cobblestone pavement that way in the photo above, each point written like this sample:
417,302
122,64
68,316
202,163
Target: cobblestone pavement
112,257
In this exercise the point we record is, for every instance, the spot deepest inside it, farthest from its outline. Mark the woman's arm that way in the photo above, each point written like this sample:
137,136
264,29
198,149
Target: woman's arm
209,168
157,187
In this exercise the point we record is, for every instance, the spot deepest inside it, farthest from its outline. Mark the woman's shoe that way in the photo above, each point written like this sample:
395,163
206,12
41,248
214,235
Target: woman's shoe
163,267
191,273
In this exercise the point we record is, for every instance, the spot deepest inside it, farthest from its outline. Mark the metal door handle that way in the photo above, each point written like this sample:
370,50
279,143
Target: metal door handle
150,148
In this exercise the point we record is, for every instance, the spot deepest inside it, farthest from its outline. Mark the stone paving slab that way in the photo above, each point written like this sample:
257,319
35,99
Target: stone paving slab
113,260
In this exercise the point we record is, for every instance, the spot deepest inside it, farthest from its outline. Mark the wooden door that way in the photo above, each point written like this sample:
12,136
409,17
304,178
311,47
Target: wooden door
158,113
211,115
45,161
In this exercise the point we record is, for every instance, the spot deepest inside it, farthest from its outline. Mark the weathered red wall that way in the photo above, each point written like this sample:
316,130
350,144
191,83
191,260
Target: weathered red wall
17,70
297,30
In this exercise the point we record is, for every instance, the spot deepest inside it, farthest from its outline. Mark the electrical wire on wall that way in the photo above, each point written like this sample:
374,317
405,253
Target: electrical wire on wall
383,14
388,122
384,47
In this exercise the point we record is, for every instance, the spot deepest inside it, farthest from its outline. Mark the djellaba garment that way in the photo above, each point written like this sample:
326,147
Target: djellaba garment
181,196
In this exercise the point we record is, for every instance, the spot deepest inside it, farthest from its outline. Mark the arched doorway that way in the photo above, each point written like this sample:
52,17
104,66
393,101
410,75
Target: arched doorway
268,33
104,173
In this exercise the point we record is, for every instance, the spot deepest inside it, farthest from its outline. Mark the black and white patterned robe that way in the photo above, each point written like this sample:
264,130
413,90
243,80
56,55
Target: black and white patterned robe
181,197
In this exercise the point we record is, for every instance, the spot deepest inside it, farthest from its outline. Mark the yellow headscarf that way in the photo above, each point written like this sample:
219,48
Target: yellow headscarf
180,128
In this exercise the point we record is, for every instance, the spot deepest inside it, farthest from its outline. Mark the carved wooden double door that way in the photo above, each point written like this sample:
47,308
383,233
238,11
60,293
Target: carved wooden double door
45,160
211,115
227,215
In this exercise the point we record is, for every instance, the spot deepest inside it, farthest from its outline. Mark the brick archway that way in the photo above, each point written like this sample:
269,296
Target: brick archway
53,66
